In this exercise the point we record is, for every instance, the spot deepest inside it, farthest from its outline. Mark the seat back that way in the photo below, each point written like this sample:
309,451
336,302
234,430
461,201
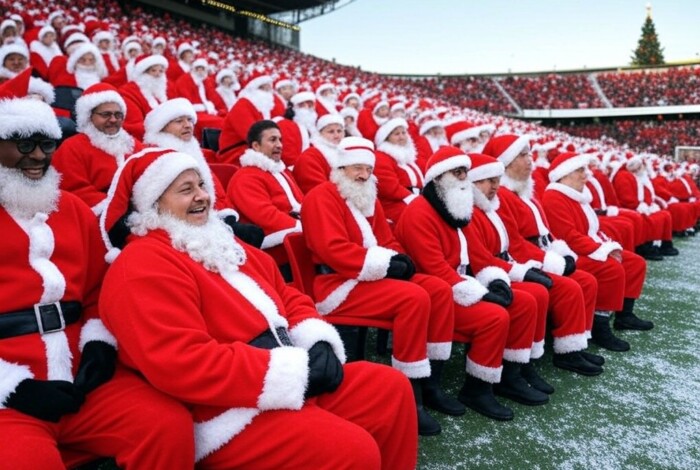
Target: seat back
303,270
66,96
224,172
210,138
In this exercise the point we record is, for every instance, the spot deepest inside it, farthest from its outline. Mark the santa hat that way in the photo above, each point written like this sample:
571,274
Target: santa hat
24,117
429,124
459,131
302,96
256,79
55,14
184,47
284,80
377,103
506,147
144,62
14,48
566,163
161,115
323,87
159,40
45,30
72,38
396,104
350,94
92,97
446,158
8,23
387,128
632,159
131,44
349,111
223,73
80,51
200,61
136,187
355,151
484,167
101,35
328,119
37,86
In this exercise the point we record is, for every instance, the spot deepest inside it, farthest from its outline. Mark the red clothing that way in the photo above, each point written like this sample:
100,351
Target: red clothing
313,167
637,194
232,141
280,106
366,124
397,184
682,213
295,139
137,108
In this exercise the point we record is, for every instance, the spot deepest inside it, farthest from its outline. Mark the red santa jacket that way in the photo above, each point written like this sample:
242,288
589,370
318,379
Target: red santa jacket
313,167
86,170
187,318
46,259
540,176
232,141
196,93
634,192
137,108
397,183
265,194
366,124
684,189
295,139
572,219
280,106
357,247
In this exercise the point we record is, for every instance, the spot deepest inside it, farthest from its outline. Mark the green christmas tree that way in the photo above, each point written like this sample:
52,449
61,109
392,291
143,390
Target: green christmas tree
649,51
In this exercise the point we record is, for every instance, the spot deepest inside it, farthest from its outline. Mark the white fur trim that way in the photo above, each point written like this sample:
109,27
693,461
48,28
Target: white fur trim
570,165
465,134
95,330
439,351
446,165
387,128
86,103
286,379
412,370
99,207
312,330
161,115
158,176
25,117
336,297
212,435
148,62
59,358
258,82
10,376
613,211
570,343
40,87
468,292
259,160
487,374
602,252
407,200
537,350
554,263
223,213
376,263
277,238
489,170
328,119
521,356
303,96
429,124
562,248
253,293
514,149
81,50
518,270
491,273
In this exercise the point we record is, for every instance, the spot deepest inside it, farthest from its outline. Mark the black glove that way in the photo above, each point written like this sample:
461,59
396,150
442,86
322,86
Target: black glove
401,267
600,211
46,399
499,293
538,276
97,365
325,370
570,265
249,233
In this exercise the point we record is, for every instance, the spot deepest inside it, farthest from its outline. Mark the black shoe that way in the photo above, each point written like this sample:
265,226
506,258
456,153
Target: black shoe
649,252
427,425
575,362
592,358
603,336
630,321
667,248
478,395
434,397
531,376
514,387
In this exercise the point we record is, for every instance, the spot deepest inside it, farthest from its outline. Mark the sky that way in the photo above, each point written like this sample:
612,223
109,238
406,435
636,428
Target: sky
497,36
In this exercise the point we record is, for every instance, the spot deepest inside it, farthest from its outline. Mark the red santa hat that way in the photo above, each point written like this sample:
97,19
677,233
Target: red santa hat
375,103
8,23
14,48
45,30
283,81
80,51
349,111
387,128
396,104
302,96
92,97
37,86
446,158
200,61
633,159
101,35
145,62
223,73
131,43
328,119
55,14
429,124
73,38
460,130
159,40
323,87
484,167
348,95
256,79
184,47
136,187
161,115
24,117
565,163
506,147
355,151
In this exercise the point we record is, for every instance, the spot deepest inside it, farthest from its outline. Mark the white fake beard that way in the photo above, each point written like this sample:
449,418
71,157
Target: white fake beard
306,117
329,150
198,77
227,94
457,195
351,130
482,202
467,147
523,188
328,102
118,145
264,101
7,73
86,76
23,197
436,142
403,154
362,195
152,87
380,120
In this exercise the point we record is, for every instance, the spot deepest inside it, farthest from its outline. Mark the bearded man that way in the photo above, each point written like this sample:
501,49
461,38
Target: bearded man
82,68
191,86
314,164
148,89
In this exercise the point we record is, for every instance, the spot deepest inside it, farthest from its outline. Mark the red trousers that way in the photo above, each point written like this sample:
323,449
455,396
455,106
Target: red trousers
659,225
368,423
589,288
567,315
528,315
682,216
485,326
125,418
616,281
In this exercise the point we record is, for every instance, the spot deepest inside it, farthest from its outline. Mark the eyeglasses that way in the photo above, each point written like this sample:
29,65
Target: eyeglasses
27,146
118,115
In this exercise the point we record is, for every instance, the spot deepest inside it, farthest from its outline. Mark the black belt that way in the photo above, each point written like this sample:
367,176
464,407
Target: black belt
541,241
41,318
267,340
324,269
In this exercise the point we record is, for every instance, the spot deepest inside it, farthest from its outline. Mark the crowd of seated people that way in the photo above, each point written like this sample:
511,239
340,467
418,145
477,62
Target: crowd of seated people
552,91
667,87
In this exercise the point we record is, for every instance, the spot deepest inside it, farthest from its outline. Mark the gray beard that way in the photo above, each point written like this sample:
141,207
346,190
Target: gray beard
23,197
361,195
86,77
305,117
457,195
152,87
118,145
263,101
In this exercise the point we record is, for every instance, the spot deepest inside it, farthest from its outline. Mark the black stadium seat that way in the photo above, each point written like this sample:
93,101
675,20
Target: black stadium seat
210,138
66,97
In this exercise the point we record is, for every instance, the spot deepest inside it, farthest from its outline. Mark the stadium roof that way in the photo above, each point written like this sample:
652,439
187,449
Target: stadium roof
268,7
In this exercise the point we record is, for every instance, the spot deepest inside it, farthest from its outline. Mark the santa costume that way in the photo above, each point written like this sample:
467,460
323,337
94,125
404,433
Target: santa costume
314,164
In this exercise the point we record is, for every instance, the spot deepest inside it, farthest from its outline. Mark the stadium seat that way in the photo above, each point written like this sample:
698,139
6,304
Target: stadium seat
66,97
210,138
223,171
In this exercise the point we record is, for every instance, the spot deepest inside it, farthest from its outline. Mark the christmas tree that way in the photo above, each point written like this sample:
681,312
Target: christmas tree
649,51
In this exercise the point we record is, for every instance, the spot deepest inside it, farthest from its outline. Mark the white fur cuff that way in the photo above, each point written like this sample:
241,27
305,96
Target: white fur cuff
491,273
554,263
521,356
562,248
376,263
491,375
412,370
95,330
312,330
570,343
613,211
286,379
439,351
468,292
276,238
10,376
517,272
605,248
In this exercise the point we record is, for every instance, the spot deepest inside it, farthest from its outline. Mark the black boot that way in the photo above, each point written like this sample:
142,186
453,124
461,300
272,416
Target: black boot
531,376
649,252
627,320
575,362
514,387
592,358
427,425
434,397
478,395
603,336
667,248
